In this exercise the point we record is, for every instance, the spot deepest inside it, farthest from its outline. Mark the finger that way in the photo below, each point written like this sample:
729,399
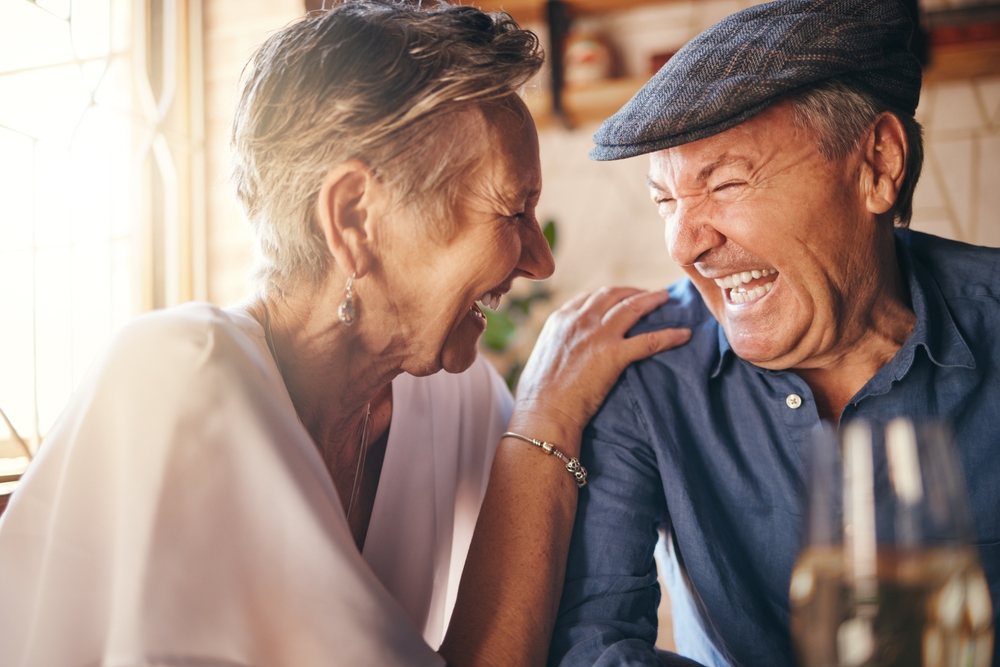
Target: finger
624,315
648,344
607,297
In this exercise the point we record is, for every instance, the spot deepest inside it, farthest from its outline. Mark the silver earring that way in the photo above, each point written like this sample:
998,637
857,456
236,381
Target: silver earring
346,310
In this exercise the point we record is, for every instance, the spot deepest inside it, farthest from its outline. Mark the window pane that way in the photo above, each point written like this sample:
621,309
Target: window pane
17,390
45,104
54,331
68,264
32,37
15,192
91,28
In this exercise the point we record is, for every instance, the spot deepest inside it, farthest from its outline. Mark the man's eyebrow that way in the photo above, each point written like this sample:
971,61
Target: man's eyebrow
723,161
652,185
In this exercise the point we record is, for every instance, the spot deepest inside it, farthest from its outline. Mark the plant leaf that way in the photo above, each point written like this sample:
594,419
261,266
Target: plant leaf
549,231
500,330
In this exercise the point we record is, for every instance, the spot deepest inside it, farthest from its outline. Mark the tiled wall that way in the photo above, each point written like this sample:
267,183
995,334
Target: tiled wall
958,195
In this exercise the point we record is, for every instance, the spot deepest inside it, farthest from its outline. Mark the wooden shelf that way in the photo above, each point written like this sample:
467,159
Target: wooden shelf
973,51
963,61
585,103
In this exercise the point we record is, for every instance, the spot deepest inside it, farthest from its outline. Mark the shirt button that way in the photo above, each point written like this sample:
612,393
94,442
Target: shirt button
794,401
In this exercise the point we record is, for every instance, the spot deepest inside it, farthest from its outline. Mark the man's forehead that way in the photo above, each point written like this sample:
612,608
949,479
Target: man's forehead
741,147
699,166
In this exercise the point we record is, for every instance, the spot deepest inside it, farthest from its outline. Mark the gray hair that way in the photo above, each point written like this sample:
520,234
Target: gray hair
841,115
374,80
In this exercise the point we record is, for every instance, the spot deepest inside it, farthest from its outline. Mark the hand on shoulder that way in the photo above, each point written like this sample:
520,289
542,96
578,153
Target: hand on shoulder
583,349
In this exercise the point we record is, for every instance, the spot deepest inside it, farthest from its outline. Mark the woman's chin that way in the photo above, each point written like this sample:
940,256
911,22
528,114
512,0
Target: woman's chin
462,345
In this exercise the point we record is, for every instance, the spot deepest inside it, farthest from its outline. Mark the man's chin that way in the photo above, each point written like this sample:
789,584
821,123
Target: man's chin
762,349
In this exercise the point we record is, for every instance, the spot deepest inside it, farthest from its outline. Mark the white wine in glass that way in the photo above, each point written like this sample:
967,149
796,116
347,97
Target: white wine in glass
889,575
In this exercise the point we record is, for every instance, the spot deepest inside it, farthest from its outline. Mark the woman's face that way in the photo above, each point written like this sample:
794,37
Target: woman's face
441,277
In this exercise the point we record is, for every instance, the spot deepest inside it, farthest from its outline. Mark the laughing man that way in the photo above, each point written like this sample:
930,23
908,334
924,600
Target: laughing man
783,155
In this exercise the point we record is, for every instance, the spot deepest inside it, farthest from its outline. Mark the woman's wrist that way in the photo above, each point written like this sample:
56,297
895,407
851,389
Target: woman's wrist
542,422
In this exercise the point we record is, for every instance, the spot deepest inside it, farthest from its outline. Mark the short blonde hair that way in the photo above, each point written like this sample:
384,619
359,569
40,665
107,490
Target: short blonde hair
373,80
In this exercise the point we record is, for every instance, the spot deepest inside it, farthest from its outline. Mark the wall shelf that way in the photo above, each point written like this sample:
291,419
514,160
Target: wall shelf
585,103
963,61
961,47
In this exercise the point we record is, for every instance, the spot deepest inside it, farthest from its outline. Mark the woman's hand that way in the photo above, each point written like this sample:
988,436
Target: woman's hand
513,578
581,352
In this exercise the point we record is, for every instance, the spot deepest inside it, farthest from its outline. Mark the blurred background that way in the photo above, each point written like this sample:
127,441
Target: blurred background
114,199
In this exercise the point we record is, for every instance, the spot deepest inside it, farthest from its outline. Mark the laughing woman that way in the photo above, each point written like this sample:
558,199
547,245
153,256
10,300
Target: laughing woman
293,482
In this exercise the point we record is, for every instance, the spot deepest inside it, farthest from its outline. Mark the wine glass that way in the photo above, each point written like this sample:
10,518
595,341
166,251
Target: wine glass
889,575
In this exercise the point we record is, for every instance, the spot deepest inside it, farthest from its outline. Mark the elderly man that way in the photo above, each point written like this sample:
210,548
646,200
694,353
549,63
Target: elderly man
782,149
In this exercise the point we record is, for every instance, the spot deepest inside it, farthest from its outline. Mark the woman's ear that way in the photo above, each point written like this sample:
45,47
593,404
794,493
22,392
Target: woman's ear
885,158
343,211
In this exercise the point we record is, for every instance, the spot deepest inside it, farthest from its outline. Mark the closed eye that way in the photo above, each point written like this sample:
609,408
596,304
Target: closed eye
731,184
665,205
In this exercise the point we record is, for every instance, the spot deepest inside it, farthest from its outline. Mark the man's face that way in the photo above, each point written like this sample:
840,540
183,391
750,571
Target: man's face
777,238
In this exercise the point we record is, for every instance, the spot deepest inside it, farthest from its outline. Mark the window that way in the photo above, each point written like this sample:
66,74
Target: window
99,187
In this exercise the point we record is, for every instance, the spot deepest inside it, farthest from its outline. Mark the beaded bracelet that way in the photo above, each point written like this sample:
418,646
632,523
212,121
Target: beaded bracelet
578,472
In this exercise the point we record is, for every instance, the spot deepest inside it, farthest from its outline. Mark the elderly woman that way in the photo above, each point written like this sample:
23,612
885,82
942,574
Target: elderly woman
288,483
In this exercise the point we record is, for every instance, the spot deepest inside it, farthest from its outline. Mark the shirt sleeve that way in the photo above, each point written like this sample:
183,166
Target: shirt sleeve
608,610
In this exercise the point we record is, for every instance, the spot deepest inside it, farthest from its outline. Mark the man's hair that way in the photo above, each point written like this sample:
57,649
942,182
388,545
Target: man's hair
841,116
374,80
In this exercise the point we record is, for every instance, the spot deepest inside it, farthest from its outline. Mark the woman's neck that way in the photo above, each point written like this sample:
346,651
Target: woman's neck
331,371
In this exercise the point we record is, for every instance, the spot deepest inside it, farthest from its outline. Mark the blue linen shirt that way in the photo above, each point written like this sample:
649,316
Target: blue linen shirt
704,447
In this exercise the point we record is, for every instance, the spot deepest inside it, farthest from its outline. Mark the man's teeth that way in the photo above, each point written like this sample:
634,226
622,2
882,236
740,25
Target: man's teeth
755,293
491,300
738,279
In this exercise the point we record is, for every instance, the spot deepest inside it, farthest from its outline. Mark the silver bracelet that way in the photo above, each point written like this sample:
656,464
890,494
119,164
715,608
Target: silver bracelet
578,472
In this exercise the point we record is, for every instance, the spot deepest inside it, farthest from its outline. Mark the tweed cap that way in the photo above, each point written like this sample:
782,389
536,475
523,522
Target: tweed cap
751,59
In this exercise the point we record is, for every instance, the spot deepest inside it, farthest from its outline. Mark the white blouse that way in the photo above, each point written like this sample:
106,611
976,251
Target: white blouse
178,513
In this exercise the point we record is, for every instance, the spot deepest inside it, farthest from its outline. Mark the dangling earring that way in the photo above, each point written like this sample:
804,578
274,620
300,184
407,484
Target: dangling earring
346,310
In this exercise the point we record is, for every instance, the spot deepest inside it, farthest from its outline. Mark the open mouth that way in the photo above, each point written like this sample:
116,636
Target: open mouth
747,286
489,300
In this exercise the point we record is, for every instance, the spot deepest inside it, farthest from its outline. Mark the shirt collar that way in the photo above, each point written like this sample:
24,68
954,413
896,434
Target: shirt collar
935,329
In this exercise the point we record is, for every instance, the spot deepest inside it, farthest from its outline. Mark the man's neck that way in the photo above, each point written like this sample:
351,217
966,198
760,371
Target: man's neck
887,322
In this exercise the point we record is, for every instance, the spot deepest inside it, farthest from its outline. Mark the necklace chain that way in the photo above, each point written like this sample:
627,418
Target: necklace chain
363,455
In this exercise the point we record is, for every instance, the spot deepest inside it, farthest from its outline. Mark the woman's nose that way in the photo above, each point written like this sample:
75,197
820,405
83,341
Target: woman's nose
536,261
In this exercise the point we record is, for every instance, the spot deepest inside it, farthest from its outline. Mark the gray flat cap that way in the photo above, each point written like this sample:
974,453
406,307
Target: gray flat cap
751,59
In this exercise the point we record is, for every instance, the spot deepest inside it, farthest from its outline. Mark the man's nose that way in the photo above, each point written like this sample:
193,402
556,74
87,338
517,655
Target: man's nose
690,233
536,262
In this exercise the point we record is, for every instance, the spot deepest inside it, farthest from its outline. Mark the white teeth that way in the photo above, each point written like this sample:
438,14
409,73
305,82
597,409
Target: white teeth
750,295
738,279
491,300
